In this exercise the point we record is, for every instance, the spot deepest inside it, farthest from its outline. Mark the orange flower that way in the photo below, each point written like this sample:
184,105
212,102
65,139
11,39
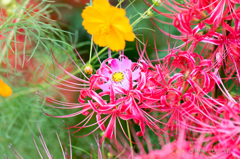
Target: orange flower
108,25
5,90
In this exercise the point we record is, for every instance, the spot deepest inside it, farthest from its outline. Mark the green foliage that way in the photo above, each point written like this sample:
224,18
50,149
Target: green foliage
33,23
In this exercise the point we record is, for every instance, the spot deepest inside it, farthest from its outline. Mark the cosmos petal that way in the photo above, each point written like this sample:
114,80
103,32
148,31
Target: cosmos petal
125,84
136,74
105,86
126,64
115,65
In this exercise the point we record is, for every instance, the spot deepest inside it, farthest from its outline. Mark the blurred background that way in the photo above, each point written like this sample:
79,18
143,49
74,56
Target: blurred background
29,53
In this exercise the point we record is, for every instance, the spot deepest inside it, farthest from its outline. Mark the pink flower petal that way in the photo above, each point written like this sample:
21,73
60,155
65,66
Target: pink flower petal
136,74
126,64
115,65
105,86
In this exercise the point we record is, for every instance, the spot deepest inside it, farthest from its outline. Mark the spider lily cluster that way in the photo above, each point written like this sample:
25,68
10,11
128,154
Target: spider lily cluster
187,89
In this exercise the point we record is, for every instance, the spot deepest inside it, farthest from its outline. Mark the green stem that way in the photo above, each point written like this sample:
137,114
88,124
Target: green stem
90,56
78,148
130,139
99,53
185,90
136,21
103,153
119,3
8,20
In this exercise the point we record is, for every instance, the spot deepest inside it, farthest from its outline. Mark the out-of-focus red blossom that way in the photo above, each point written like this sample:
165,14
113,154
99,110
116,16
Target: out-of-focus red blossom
171,151
81,3
24,71
74,3
20,42
175,150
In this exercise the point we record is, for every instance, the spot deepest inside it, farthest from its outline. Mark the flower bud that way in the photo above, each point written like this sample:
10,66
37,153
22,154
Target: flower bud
88,69
109,155
102,133
6,3
156,2
149,13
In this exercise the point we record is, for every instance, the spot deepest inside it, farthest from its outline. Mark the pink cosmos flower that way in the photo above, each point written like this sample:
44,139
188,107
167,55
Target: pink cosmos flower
118,74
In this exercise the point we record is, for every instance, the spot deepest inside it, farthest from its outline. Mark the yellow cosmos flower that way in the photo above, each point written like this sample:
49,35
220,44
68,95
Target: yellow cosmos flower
108,25
5,90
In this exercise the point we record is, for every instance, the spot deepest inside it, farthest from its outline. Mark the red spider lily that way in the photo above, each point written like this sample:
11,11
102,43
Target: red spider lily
224,142
189,18
199,21
215,23
123,83
181,95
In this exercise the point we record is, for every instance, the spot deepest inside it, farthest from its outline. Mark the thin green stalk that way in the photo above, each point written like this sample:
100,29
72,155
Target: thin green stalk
130,139
184,91
8,20
184,83
103,153
78,148
119,3
90,55
99,53
136,21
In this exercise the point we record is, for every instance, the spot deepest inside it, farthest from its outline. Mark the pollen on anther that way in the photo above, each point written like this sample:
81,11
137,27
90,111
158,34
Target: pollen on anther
117,76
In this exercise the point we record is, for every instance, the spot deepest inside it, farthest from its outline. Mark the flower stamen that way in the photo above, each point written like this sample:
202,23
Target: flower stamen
104,29
117,76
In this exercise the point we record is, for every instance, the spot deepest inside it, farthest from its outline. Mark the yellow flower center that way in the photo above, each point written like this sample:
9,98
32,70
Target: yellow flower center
104,28
117,76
